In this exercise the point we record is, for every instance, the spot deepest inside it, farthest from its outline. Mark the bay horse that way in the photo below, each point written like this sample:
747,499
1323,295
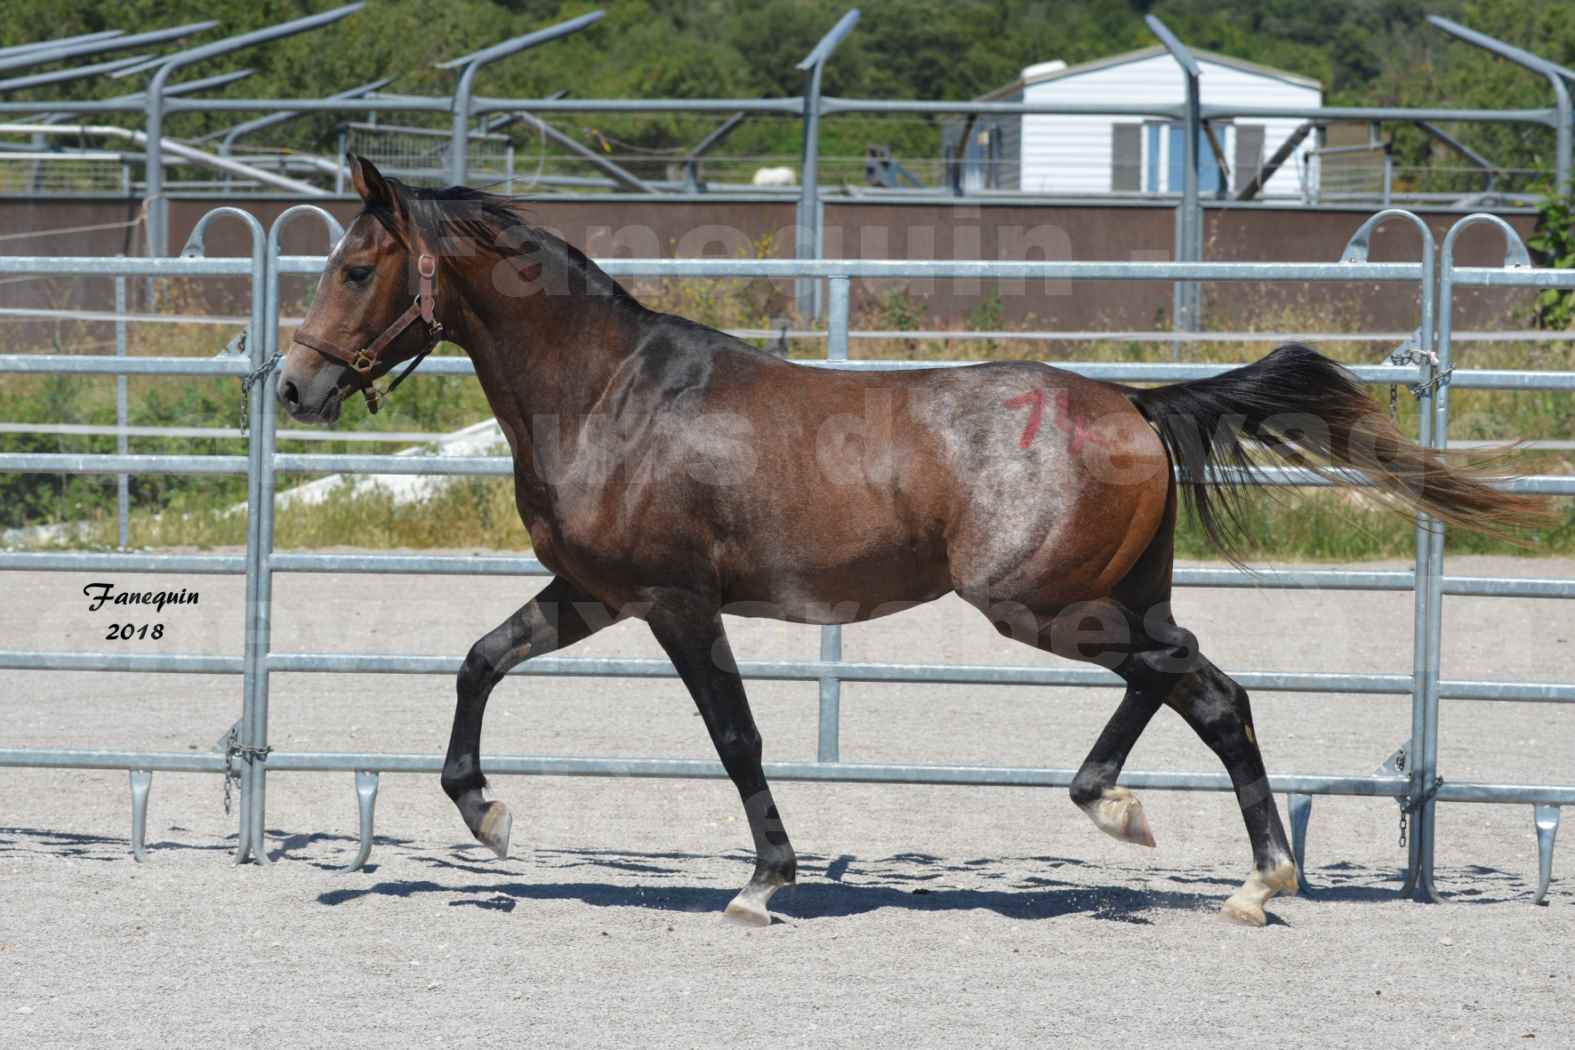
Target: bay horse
669,472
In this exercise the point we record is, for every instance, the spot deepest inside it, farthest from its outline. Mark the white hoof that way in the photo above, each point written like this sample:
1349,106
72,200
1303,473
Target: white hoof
749,907
1119,814
496,824
1245,906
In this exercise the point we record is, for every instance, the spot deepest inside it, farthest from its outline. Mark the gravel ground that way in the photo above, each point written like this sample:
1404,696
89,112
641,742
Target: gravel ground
924,916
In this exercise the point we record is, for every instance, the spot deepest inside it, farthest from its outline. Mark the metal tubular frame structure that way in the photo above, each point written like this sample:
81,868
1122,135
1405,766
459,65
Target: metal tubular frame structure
811,224
1555,75
154,105
1189,214
97,44
459,138
811,107
247,756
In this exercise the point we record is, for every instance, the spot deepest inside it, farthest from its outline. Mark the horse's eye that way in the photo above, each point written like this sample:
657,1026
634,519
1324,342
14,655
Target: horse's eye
357,274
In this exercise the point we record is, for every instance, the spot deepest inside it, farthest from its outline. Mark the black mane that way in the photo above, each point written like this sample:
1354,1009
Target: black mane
458,220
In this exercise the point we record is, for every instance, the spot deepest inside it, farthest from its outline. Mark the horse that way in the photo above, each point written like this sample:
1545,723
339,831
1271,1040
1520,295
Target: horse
671,473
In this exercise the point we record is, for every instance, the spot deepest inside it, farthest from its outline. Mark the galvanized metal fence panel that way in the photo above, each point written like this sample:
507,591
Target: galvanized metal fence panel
1423,362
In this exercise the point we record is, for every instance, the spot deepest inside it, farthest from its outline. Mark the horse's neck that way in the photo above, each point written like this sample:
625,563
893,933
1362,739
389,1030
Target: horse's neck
544,360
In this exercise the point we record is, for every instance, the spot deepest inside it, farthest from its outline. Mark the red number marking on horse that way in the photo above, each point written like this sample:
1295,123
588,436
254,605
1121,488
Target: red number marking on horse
1036,399
1065,421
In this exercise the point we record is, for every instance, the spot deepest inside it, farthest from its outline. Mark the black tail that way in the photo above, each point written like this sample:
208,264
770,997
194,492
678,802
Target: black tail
1310,412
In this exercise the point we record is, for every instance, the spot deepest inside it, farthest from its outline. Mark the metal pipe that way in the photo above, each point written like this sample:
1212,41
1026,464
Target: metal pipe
122,412
134,100
256,602
154,160
1555,76
260,521
617,172
459,140
1189,214
711,141
1491,170
809,240
45,45
39,56
153,113
230,135
1428,565
65,75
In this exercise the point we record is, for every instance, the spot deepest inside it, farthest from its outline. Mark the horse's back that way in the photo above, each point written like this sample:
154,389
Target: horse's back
793,485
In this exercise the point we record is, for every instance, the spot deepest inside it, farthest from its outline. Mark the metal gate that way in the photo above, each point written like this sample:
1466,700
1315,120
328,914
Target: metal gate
1424,363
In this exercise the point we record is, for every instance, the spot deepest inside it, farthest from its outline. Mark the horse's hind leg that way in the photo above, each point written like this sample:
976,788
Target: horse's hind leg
690,630
1219,712
1165,667
1161,664
1140,654
557,617
1115,810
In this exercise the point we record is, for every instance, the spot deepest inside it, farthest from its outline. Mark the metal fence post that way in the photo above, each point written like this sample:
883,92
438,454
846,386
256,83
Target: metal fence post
810,238
122,414
829,741
1555,75
1189,217
256,338
260,466
459,128
1427,582
1425,767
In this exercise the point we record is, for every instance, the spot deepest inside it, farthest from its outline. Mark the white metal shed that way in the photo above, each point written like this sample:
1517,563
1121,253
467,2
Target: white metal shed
1100,155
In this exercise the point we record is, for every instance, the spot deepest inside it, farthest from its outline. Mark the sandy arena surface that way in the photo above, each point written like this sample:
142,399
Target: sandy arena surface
924,916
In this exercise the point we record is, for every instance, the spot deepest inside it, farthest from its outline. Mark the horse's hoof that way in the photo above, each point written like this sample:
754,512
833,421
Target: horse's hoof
749,907
1119,814
1245,906
496,823
1244,911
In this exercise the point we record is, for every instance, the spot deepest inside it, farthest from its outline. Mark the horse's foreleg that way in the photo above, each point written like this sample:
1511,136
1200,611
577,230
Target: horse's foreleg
557,617
1218,711
693,637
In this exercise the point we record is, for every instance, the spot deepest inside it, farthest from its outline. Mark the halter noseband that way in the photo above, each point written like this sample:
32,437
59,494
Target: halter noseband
363,363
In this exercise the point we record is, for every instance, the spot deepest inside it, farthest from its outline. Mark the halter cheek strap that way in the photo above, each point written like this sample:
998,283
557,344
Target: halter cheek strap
363,363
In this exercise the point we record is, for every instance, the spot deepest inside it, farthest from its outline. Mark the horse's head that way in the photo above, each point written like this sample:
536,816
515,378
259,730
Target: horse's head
374,307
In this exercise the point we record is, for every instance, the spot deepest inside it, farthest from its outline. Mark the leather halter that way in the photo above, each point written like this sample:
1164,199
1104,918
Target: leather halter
364,362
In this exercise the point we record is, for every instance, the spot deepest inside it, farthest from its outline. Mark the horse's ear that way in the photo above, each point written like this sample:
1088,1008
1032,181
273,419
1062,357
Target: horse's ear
370,184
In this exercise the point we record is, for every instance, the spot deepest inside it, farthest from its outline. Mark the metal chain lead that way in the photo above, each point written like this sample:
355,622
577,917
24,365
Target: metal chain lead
1415,806
1407,353
233,748
250,380
229,767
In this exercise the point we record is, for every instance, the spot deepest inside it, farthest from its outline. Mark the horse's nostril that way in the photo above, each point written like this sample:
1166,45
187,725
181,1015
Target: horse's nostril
289,394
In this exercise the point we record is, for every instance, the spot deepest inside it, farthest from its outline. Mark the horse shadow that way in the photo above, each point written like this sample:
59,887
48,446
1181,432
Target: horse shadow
829,888
1030,888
